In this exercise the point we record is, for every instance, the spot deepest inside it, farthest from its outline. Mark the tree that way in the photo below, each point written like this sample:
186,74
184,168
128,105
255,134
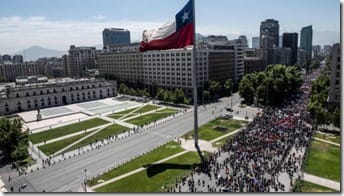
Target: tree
179,96
228,86
206,95
13,142
214,88
160,94
246,89
123,89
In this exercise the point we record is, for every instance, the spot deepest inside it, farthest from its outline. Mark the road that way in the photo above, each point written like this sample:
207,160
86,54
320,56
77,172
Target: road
70,174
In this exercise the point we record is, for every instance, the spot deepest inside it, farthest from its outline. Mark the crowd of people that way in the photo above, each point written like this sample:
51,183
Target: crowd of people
273,143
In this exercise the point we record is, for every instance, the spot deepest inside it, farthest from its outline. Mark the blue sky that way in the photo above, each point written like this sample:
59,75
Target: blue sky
57,24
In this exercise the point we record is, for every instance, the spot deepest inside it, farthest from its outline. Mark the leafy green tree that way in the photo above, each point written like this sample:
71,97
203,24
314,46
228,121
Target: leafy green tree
123,89
228,86
206,95
246,89
214,88
13,142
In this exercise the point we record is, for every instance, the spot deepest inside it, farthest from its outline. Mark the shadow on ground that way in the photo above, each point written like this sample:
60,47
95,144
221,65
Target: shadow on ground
154,169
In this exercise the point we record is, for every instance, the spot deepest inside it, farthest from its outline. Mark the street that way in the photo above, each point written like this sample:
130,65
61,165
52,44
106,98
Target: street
69,175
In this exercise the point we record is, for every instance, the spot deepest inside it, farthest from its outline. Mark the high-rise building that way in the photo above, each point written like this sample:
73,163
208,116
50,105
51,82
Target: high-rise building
0,58
280,41
282,56
79,60
316,50
244,41
6,58
18,59
115,37
301,56
307,41
270,28
334,92
290,40
327,49
255,42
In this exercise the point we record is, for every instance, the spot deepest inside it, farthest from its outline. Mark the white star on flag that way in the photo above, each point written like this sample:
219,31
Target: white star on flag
185,16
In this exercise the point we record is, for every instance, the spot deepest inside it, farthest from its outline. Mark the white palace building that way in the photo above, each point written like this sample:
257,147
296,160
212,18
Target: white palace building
32,93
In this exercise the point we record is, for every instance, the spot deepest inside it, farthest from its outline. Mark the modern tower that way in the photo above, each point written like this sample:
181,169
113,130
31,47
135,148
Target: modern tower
116,37
244,41
255,42
307,41
290,40
269,29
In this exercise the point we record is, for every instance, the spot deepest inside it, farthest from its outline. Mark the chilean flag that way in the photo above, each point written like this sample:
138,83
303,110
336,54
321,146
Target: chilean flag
175,34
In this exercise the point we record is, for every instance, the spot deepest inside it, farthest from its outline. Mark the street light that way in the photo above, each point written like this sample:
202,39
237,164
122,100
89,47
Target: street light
85,181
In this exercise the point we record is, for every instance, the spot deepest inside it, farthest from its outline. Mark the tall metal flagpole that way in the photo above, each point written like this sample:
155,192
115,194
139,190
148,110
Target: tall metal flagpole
194,79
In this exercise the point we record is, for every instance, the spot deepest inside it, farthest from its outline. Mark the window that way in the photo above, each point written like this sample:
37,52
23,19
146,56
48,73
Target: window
41,92
27,94
71,89
17,95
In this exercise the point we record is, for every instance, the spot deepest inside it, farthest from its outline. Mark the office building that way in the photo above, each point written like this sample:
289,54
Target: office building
269,29
327,49
115,37
316,51
244,41
7,59
290,40
335,87
9,72
79,60
35,92
282,56
307,41
17,59
255,42
253,65
301,57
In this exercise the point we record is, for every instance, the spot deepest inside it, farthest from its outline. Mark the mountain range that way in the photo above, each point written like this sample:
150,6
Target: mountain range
36,52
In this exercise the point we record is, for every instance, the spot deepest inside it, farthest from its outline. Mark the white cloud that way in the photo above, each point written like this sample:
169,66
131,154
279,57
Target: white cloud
99,17
17,33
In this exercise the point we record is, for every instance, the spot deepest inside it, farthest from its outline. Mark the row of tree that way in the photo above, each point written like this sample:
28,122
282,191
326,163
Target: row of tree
271,87
124,89
318,102
13,142
213,90
177,96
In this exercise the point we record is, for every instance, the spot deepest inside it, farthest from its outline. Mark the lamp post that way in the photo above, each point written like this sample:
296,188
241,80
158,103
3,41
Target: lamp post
85,181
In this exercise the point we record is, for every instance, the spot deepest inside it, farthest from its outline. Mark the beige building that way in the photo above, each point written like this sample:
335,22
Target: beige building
253,65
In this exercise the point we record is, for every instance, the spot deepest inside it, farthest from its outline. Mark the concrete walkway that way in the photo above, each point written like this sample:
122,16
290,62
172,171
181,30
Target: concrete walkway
326,141
134,171
119,122
322,181
227,135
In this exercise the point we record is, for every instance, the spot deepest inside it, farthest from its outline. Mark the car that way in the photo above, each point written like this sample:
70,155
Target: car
229,109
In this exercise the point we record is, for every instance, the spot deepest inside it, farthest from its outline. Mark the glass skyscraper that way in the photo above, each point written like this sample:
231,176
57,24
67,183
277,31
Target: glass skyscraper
116,37
307,41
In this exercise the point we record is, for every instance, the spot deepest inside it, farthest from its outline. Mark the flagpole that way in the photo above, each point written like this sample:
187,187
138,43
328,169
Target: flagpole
194,79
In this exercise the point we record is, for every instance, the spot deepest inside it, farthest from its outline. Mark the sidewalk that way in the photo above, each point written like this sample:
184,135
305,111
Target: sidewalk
326,141
322,181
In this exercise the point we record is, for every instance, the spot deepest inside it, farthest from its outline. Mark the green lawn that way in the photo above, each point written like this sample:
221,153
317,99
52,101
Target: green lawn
109,131
56,146
149,118
307,187
155,177
331,138
121,114
209,131
160,153
147,108
324,161
221,142
66,130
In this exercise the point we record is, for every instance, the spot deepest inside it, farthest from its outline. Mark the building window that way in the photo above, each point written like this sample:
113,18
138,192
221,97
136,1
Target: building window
17,95
48,92
27,94
63,90
41,92
71,88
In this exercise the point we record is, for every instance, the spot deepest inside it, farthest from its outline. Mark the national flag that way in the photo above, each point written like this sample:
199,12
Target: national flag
175,34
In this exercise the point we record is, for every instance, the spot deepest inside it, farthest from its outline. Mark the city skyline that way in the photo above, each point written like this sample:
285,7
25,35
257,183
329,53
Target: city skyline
34,22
